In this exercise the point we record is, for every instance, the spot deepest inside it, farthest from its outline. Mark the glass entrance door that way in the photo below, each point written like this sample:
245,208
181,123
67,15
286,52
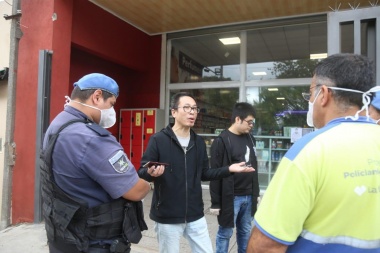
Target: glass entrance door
355,31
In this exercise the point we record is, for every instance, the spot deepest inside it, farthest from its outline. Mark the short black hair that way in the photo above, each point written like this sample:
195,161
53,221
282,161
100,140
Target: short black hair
174,102
242,110
83,95
350,71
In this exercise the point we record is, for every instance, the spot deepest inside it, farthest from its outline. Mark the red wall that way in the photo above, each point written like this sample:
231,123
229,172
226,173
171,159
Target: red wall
83,63
61,44
37,28
108,36
83,39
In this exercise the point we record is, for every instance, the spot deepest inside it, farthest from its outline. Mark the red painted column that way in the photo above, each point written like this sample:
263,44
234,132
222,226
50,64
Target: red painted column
40,31
61,44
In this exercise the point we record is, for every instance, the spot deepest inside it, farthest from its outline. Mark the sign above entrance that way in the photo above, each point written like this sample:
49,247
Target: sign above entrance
189,65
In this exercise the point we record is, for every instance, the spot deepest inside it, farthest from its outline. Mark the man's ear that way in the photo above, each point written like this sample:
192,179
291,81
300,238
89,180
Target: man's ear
326,95
172,112
96,97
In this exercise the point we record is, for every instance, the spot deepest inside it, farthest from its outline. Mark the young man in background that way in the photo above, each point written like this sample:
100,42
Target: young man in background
234,199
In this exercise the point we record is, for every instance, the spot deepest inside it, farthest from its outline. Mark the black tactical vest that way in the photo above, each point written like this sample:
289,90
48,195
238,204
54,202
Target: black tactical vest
70,221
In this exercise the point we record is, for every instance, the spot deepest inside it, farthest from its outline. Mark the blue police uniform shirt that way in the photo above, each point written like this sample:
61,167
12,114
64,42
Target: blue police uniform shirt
86,165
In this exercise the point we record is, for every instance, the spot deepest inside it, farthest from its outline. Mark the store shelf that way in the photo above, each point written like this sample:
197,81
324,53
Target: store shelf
270,150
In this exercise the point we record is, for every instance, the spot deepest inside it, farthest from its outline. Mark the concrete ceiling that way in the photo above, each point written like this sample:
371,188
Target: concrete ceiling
166,16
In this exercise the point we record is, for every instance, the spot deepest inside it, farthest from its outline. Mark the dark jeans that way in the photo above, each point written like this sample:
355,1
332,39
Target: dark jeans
243,223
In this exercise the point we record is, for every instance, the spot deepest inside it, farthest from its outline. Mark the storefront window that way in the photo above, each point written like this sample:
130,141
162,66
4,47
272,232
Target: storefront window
284,52
280,111
276,66
205,59
277,108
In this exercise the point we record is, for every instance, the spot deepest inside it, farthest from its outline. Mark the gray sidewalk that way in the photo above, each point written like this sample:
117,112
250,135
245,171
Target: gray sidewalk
31,238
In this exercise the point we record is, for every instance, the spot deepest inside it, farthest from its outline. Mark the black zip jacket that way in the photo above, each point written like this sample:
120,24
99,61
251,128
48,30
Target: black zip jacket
222,191
177,196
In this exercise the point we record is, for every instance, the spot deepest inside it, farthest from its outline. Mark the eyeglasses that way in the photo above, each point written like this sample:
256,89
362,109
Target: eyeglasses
250,122
188,108
307,95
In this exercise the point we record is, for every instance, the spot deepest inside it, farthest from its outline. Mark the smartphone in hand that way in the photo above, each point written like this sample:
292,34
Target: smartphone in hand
150,164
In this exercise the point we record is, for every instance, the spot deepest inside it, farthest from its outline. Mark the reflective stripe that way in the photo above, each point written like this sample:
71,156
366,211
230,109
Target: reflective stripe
345,240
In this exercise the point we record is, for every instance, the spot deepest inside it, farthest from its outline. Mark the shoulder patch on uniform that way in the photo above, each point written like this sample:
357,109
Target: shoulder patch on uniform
119,162
98,129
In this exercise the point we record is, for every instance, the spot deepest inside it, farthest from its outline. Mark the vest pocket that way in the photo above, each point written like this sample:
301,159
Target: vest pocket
63,213
131,226
105,221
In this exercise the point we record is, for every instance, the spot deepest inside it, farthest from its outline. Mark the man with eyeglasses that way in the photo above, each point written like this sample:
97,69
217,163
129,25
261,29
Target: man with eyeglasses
325,195
177,205
234,199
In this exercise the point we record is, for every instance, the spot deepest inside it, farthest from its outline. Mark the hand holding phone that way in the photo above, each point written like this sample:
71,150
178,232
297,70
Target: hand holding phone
150,164
155,169
241,167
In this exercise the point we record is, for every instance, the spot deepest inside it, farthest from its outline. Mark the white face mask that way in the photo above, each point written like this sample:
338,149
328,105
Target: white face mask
365,99
309,118
107,116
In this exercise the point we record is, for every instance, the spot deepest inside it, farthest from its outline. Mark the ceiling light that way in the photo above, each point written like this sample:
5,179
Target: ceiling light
272,89
230,41
318,56
259,73
224,91
280,98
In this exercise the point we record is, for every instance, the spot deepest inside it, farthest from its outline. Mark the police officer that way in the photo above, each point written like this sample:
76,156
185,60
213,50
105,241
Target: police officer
86,191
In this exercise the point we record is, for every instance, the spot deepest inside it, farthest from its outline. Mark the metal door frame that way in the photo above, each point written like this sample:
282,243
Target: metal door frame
43,120
336,18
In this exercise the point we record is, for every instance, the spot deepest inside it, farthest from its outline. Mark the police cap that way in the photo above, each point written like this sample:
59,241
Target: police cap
98,81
